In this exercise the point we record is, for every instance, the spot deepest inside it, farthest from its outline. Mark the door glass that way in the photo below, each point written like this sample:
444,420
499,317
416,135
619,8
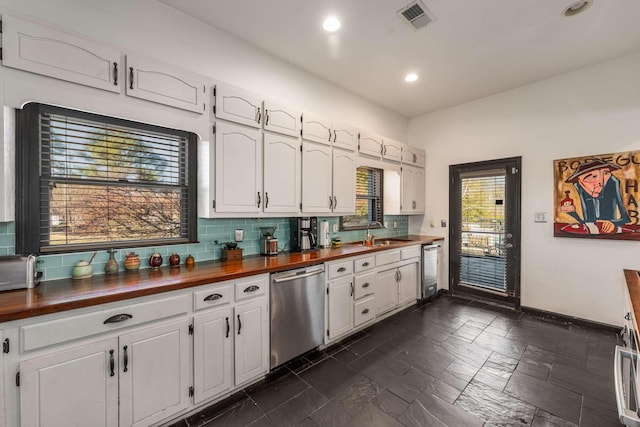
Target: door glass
482,229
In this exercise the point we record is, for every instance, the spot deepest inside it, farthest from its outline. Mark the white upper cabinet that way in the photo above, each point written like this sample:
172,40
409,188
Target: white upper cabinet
281,119
237,105
413,187
370,144
317,194
391,189
282,173
413,156
344,181
392,150
238,171
345,137
165,84
44,50
316,128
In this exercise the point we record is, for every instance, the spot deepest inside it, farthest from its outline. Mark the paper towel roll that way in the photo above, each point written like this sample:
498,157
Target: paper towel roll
324,240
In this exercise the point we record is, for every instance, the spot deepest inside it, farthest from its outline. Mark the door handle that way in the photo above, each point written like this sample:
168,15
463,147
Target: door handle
239,324
508,245
226,319
334,135
112,363
126,358
351,288
330,202
130,77
329,134
335,202
259,116
259,199
212,297
118,318
115,74
266,117
366,285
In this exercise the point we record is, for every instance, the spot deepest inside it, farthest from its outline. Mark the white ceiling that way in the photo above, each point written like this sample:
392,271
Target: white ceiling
474,48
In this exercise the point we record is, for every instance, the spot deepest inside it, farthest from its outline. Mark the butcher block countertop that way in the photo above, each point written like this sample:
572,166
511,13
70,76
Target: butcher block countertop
66,294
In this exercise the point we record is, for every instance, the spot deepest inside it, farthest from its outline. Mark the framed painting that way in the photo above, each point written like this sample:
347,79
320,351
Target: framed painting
597,196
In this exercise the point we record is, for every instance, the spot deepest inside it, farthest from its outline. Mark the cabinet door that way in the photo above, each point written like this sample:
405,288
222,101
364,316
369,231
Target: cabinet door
316,128
44,50
392,150
340,308
281,119
76,387
392,189
419,184
237,105
317,194
238,168
412,190
212,353
344,181
407,283
251,340
282,174
370,144
154,373
386,291
345,137
165,84
413,156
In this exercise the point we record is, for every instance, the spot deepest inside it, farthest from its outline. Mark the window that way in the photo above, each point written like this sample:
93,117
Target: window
368,201
86,181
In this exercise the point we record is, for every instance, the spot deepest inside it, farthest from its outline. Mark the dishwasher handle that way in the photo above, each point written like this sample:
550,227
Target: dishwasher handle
298,276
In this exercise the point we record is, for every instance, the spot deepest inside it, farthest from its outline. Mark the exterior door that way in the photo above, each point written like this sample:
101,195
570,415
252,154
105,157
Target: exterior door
484,213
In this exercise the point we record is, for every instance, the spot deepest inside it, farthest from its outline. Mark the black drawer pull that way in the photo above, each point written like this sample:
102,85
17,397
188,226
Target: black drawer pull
251,288
118,318
366,285
126,359
365,311
365,264
212,297
112,363
341,269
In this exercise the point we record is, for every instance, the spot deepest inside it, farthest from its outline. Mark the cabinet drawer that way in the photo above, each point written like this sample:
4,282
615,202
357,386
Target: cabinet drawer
364,264
364,311
365,285
251,287
213,296
387,257
339,269
410,253
84,325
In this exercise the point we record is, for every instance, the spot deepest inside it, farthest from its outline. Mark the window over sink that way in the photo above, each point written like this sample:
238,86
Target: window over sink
369,201
86,181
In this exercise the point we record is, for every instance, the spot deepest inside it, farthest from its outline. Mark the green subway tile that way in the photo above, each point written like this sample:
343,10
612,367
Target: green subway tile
50,261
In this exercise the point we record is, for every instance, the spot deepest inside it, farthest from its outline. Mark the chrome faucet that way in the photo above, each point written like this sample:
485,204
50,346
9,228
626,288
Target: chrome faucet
371,239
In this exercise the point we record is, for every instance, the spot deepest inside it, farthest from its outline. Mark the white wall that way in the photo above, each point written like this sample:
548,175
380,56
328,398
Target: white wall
157,31
592,111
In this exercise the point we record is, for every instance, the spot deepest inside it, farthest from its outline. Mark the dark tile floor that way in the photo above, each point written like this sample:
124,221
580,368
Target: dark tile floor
451,362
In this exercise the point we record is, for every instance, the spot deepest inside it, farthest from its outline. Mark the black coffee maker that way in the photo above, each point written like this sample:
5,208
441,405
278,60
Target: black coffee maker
304,233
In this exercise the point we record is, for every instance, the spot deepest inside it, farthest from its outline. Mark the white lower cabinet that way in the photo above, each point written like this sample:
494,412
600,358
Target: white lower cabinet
340,307
386,293
146,371
251,341
407,283
397,285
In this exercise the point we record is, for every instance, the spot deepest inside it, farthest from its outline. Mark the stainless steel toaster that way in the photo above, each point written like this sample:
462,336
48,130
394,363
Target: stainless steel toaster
18,272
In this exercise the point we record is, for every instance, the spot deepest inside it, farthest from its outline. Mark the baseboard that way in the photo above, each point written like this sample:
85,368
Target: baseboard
571,319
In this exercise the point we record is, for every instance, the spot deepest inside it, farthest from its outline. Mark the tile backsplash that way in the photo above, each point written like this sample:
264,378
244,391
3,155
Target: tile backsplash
212,234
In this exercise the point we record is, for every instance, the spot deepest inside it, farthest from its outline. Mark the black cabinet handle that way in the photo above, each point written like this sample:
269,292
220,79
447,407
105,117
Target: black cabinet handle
259,199
266,199
251,288
330,202
351,288
341,269
212,297
334,135
118,318
130,77
226,319
259,116
329,134
335,202
365,311
115,74
239,324
126,359
112,363
365,264
266,117
366,285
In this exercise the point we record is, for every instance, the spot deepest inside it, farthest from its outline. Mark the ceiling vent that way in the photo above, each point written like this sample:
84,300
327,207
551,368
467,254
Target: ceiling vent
416,15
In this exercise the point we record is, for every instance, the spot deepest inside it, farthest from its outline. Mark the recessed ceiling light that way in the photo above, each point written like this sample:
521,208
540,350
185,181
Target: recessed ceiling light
331,24
411,77
577,7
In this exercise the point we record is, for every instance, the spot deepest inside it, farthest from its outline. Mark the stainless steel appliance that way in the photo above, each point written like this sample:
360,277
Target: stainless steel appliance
625,369
429,270
18,272
297,312
268,242
304,233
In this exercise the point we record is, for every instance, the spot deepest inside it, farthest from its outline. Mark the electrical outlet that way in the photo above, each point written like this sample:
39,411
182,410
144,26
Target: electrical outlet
335,228
443,223
432,223
386,224
540,217
395,224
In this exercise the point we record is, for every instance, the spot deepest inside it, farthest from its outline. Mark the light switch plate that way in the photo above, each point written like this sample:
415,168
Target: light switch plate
540,217
395,224
335,228
386,224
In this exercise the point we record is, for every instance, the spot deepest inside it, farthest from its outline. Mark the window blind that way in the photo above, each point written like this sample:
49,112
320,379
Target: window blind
368,199
482,251
107,183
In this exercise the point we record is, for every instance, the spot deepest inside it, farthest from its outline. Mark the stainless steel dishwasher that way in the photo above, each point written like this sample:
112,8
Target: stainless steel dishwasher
297,312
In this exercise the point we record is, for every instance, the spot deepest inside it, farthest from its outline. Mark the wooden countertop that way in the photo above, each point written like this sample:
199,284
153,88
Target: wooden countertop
66,294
